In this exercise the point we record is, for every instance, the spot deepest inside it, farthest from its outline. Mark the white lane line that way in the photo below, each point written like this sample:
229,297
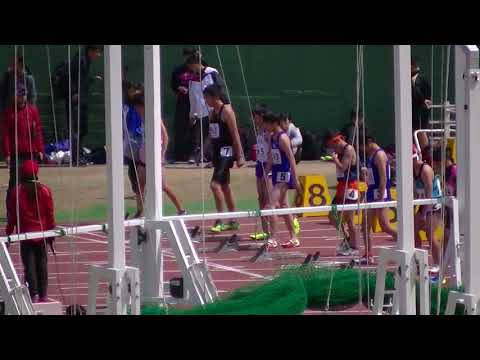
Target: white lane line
228,268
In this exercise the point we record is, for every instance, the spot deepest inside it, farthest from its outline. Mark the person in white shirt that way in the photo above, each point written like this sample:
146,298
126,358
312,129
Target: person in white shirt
199,110
294,134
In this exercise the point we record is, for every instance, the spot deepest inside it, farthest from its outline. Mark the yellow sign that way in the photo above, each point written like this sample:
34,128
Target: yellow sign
315,193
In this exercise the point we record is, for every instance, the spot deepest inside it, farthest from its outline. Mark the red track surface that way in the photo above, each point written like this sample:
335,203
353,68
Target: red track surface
230,270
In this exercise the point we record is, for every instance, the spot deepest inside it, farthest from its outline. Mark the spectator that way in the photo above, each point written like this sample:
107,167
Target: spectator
35,206
294,135
24,78
24,139
349,129
80,85
199,110
421,107
181,77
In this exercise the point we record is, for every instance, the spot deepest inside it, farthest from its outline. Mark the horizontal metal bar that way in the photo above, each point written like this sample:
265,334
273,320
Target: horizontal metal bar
66,231
288,211
71,231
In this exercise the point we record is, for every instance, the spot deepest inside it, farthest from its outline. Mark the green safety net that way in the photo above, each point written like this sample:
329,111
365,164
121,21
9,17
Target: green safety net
292,291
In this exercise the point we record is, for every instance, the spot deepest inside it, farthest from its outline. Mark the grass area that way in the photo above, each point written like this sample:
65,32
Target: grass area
84,190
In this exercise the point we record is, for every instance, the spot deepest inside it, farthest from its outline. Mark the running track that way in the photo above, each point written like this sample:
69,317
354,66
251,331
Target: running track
230,270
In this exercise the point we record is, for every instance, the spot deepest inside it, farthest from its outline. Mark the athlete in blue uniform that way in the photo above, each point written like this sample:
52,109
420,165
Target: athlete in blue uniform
264,182
284,176
378,179
428,217
227,148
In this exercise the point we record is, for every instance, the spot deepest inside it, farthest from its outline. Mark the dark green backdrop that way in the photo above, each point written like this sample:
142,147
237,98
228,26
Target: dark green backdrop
315,83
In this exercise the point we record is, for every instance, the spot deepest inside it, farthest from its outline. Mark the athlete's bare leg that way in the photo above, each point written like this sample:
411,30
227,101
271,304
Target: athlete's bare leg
217,195
283,202
171,195
352,230
382,215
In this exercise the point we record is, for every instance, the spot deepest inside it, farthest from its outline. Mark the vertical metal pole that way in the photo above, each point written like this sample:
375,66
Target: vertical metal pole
151,285
461,67
403,139
471,176
115,180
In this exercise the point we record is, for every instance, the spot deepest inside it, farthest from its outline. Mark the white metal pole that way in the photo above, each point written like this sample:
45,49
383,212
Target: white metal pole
151,285
470,128
404,141
115,178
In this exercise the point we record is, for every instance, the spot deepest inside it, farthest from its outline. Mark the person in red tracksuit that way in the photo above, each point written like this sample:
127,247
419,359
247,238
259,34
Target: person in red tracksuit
32,218
28,132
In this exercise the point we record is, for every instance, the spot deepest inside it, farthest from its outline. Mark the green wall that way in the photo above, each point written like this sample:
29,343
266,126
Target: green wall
315,83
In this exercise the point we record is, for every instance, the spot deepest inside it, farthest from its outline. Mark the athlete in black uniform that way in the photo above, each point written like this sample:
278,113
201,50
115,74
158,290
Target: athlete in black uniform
227,148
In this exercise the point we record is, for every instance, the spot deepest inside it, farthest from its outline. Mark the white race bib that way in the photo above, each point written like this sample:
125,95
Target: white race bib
352,194
226,151
283,177
214,130
261,153
370,177
376,195
276,157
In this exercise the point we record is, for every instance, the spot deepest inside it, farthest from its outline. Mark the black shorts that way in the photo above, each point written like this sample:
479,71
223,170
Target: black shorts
221,169
132,176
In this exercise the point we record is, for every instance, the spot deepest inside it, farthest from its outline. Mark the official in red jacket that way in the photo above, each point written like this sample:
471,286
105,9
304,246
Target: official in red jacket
28,133
36,213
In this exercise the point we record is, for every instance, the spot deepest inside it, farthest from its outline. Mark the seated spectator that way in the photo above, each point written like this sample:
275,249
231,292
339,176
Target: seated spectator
36,210
24,137
24,79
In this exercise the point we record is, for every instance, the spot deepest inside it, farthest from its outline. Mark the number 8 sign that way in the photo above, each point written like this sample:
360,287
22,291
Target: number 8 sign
315,193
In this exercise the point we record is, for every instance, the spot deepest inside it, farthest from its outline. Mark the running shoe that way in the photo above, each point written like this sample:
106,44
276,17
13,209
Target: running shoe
259,236
296,226
272,244
182,212
293,243
220,227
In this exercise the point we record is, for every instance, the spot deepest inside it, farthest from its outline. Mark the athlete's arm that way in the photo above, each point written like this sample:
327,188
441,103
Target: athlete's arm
268,145
381,164
346,159
231,122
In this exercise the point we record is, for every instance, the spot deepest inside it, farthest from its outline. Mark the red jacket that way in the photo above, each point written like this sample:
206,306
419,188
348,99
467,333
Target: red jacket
27,116
30,220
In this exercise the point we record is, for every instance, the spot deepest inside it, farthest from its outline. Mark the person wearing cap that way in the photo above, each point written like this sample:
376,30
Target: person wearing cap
23,78
23,140
33,202
428,217
345,159
80,86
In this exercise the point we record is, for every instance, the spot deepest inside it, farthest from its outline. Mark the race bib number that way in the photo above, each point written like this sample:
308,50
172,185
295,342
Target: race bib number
370,177
376,195
214,131
283,177
276,157
226,151
352,194
261,154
